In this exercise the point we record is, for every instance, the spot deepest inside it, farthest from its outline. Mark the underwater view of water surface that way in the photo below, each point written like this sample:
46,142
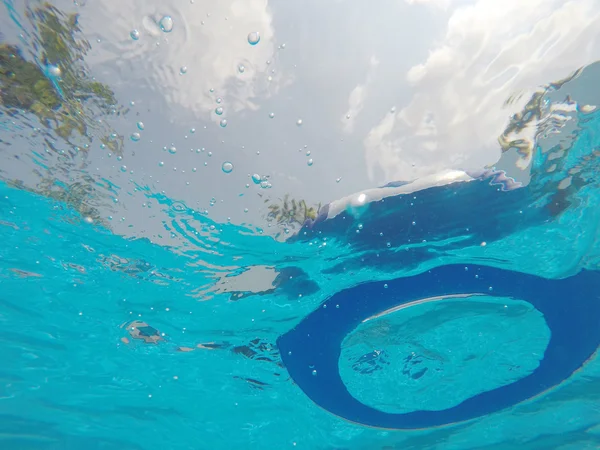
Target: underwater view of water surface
317,225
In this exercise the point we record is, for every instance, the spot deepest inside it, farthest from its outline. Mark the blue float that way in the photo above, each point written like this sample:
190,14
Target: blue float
571,309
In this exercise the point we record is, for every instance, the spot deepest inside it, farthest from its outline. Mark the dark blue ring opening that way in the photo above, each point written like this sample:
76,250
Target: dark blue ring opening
571,308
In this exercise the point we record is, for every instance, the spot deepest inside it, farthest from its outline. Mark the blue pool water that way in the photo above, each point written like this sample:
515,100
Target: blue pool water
74,377
453,311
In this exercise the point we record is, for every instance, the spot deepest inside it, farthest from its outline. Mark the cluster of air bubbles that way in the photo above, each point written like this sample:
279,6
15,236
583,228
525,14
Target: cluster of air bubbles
166,24
262,181
253,37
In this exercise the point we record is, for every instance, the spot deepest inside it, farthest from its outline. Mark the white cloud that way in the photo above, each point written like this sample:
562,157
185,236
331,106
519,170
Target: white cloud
437,3
491,50
357,97
210,40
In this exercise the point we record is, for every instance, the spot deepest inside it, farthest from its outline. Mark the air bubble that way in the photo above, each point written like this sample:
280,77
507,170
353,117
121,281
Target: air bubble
135,35
271,115
135,137
123,168
299,122
309,162
166,24
241,68
227,167
253,38
183,70
172,150
53,71
140,125
223,123
161,163
256,178
219,110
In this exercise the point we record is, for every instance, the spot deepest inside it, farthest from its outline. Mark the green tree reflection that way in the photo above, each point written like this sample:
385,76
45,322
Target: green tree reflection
51,82
290,212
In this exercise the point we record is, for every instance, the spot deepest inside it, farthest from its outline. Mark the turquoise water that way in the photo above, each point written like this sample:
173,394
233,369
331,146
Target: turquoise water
70,381
164,331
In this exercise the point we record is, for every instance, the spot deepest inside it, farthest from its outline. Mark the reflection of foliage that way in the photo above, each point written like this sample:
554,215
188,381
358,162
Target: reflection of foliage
291,212
513,136
77,195
53,84
57,88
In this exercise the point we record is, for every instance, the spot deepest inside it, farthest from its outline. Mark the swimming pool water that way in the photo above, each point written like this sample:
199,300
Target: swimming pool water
69,380
216,335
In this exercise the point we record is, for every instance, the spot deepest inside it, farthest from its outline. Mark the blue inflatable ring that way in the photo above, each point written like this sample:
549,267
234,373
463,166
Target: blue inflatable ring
571,308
